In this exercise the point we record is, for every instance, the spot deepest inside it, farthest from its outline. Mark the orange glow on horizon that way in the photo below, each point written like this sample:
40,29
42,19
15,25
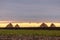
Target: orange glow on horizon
4,23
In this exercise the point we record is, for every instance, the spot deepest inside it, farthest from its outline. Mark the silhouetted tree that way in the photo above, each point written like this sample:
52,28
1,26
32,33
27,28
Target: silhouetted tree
43,25
52,25
17,26
9,25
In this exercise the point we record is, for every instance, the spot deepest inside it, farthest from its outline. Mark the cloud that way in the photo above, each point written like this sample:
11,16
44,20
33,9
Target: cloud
30,9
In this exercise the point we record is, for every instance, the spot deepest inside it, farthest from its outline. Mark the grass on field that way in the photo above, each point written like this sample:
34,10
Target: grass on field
30,32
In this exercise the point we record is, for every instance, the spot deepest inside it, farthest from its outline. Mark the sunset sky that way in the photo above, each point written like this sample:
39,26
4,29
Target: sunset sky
30,11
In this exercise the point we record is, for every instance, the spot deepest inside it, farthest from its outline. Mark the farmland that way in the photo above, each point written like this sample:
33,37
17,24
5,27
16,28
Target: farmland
29,32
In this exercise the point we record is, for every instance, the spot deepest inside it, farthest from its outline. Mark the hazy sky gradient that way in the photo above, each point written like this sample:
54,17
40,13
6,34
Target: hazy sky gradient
30,10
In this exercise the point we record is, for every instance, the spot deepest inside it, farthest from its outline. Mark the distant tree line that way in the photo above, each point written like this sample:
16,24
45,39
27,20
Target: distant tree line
43,25
11,26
